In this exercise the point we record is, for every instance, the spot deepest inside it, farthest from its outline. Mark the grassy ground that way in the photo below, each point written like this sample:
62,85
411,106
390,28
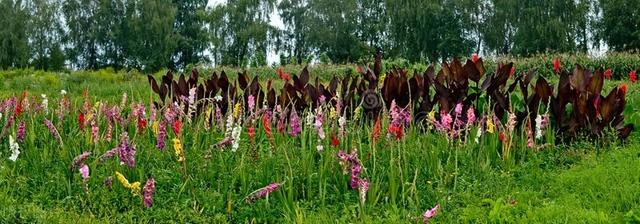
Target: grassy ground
585,182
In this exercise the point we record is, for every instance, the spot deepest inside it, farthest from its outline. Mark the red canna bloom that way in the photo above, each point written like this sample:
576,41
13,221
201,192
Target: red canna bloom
513,71
375,133
502,137
608,73
556,65
359,69
334,141
81,121
632,76
284,76
474,57
623,88
177,126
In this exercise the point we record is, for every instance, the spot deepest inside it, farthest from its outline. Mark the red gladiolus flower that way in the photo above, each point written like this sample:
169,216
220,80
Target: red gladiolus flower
177,126
396,130
502,137
142,124
474,57
81,121
375,133
632,76
18,110
334,141
556,65
513,71
266,124
623,88
608,73
252,132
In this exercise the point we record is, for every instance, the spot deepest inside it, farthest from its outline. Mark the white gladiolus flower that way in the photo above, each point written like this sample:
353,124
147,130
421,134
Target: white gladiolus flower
310,119
478,134
63,92
538,126
235,136
218,98
15,149
45,103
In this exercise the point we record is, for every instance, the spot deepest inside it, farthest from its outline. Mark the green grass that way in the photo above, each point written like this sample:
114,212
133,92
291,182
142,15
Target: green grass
585,182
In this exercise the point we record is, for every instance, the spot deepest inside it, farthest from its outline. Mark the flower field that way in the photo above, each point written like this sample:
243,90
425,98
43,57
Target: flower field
453,143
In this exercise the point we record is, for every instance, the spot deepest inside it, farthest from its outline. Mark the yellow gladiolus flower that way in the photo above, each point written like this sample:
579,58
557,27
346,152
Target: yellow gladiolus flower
135,187
177,146
237,110
490,125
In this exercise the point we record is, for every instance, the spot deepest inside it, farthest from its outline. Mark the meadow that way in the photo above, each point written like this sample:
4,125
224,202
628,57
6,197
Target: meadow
93,148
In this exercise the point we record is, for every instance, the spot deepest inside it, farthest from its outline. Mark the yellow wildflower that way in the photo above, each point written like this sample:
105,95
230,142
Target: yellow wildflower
432,115
135,187
177,146
357,113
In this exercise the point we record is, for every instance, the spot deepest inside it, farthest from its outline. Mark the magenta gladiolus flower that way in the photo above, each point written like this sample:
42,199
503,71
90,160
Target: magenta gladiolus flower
162,132
52,130
294,122
147,192
262,192
84,171
126,151
430,213
251,102
20,134
79,160
471,116
318,123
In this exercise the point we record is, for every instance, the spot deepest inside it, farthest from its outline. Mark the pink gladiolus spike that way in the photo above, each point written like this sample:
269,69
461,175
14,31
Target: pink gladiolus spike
429,214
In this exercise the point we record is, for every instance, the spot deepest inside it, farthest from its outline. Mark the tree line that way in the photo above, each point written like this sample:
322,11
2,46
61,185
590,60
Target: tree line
154,34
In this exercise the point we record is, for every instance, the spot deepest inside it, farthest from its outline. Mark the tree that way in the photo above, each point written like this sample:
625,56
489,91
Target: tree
151,41
14,43
45,33
240,32
82,32
190,32
620,24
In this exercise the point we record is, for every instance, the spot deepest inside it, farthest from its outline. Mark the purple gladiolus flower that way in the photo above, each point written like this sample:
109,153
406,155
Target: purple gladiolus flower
79,160
147,192
262,192
294,122
20,134
126,151
162,132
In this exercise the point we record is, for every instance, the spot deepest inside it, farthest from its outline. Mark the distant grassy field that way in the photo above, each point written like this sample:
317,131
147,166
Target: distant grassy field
581,182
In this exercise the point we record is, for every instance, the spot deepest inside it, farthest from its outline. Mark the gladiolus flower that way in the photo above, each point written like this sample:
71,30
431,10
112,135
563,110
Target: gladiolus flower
79,160
134,187
282,75
177,126
430,213
490,125
15,149
294,122
474,57
266,124
162,132
177,146
502,137
52,130
81,121
556,65
251,131
126,151
21,132
632,76
363,188
262,192
147,192
375,133
608,73
334,141
471,116
84,171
